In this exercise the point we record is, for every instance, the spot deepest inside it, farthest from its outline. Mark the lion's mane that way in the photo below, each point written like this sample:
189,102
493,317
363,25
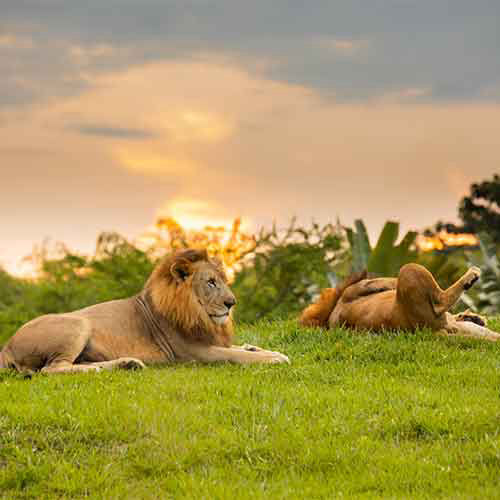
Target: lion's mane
179,305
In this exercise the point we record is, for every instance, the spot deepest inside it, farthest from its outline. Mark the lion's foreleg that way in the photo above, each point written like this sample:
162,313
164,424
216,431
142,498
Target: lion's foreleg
234,354
120,363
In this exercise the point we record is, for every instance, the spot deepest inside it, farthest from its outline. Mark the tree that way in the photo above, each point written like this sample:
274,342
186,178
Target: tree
480,211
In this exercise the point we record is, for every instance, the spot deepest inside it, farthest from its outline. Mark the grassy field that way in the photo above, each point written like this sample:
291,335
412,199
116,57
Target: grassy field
354,415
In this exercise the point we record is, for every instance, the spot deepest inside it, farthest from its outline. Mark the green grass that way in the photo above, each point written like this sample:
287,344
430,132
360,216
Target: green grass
354,415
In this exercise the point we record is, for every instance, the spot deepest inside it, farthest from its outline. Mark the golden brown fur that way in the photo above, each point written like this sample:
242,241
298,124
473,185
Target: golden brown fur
177,299
317,314
182,314
413,300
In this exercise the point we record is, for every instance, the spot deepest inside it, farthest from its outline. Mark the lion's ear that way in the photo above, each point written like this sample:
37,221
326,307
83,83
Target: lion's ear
180,269
217,263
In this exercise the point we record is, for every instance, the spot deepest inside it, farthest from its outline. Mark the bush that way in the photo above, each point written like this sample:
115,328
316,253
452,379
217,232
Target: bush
287,269
485,296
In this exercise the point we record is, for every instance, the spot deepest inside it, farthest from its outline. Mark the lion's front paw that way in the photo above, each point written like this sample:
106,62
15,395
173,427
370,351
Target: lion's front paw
471,277
130,364
275,357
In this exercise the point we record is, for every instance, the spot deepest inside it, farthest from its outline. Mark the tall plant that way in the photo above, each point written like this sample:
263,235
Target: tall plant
485,297
386,258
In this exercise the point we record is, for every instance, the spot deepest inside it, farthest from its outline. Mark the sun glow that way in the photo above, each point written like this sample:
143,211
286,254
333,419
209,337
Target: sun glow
19,268
443,240
194,214
193,223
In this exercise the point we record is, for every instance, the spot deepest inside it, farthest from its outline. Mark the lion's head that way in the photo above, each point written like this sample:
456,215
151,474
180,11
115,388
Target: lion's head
190,289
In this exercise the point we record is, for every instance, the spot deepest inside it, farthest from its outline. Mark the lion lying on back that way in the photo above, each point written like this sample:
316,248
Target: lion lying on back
182,314
413,300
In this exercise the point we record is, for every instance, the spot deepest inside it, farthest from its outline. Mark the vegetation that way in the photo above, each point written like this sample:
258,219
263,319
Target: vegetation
285,270
479,211
354,415
486,295
386,258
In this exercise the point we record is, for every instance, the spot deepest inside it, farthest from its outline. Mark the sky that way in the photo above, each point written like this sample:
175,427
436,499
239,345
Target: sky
113,112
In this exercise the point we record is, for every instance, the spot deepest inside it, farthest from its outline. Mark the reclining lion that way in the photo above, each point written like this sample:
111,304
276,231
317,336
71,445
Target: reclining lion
413,300
182,314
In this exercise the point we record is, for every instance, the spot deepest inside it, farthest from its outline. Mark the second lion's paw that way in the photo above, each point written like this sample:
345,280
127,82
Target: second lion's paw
472,276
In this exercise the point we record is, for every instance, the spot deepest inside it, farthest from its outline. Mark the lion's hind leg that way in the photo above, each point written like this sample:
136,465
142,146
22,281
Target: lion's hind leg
423,301
368,287
447,299
54,344
69,344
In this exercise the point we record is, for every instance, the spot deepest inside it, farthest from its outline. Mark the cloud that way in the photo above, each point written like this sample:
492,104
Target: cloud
39,74
346,47
405,95
259,147
226,142
15,42
154,160
353,51
100,130
82,54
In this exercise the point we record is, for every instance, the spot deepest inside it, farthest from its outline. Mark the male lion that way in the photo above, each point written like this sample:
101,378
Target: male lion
413,300
182,314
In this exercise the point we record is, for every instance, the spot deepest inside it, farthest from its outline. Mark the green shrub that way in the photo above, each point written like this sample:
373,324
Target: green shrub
485,296
287,269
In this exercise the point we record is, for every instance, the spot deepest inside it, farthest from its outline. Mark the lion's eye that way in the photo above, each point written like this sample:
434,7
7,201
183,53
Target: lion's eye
211,283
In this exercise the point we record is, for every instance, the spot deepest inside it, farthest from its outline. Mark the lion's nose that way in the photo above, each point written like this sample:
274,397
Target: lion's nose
230,302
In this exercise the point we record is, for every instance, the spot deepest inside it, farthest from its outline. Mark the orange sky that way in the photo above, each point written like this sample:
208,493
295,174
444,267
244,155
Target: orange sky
211,135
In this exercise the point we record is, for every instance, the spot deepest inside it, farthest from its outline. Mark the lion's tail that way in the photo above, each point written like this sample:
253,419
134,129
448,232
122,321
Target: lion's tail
317,314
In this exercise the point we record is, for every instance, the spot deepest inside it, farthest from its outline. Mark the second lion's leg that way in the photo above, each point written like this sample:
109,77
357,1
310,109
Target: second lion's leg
368,287
447,299
468,329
